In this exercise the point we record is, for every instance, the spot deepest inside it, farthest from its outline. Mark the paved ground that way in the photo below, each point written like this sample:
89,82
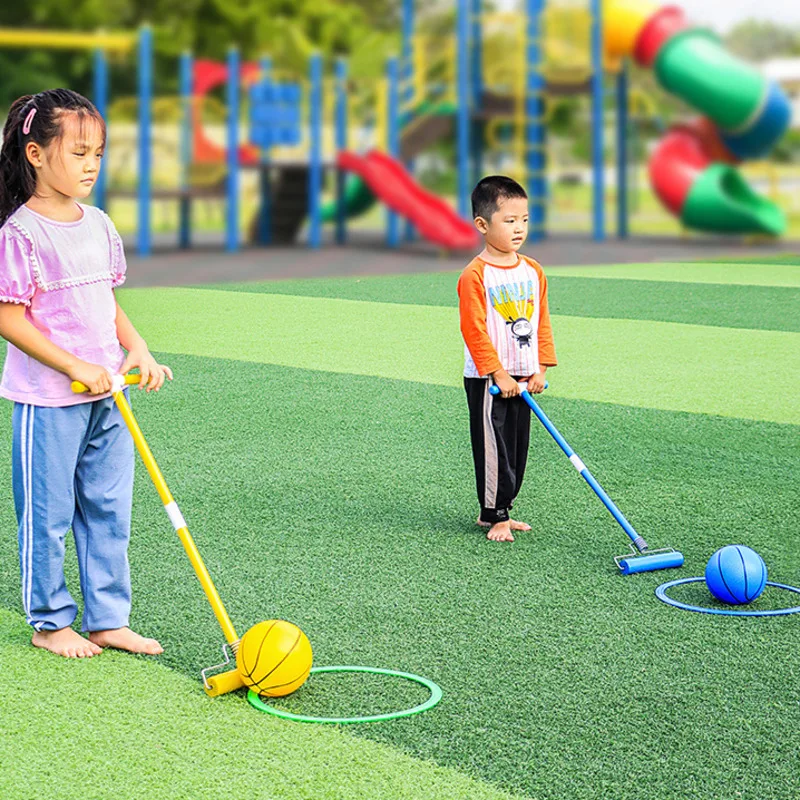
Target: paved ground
367,255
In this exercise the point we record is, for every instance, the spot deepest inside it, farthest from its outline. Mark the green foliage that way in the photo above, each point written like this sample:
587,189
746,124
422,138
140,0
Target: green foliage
287,30
787,151
757,40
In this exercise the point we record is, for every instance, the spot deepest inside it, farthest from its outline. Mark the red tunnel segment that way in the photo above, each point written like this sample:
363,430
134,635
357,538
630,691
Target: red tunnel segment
677,161
659,29
685,152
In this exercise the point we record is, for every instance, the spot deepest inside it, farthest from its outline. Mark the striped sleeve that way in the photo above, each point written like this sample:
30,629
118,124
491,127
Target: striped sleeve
472,311
547,347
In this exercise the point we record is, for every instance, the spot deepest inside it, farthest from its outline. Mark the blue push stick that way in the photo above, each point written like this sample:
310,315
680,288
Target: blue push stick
638,541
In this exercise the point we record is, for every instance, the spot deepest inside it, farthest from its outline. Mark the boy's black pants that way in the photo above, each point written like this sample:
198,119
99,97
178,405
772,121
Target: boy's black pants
500,432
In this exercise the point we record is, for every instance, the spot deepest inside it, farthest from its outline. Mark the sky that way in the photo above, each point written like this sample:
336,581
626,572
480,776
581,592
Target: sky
724,14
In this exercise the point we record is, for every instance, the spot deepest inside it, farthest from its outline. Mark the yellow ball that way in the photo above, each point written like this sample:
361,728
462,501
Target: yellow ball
274,658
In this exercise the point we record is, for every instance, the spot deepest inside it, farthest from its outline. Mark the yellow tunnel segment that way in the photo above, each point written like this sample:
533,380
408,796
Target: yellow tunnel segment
623,21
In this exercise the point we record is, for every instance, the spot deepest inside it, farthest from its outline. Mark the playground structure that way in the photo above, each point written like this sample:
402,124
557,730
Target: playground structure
490,86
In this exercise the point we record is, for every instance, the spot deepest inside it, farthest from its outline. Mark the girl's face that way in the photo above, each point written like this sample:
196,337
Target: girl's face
508,227
69,165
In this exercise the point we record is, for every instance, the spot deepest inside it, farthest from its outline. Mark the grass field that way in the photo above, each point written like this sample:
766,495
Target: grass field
316,439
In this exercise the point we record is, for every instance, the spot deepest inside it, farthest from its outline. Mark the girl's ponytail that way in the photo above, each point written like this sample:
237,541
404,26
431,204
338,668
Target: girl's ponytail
34,118
17,175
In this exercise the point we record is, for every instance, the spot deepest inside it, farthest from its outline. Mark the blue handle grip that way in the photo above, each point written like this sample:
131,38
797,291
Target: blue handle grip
495,389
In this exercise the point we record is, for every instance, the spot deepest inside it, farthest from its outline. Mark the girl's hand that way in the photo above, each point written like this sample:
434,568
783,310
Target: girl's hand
153,374
97,379
536,383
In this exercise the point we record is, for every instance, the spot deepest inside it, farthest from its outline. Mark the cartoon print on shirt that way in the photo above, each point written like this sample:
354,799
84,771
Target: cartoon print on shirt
516,303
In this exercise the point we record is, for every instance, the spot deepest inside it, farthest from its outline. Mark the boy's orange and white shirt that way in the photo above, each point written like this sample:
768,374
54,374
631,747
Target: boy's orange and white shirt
505,320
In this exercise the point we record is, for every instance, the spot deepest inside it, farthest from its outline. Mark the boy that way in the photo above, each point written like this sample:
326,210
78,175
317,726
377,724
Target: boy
508,340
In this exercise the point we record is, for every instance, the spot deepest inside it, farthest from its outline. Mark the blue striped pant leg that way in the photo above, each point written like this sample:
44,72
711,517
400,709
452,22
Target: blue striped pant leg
46,444
102,521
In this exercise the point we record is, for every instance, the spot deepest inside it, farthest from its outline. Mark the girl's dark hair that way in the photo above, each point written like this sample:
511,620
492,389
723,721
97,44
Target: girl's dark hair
489,192
17,174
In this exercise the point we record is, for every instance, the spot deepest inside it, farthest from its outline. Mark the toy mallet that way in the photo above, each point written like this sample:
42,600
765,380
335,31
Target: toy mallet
645,560
222,682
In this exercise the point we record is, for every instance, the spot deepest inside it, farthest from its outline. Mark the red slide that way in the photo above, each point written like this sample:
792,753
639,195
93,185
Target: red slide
391,183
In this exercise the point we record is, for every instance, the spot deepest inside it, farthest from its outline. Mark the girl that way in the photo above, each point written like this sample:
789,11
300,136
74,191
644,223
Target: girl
60,262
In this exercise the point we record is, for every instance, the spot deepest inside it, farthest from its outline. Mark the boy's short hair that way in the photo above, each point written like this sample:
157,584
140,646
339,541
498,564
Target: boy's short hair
490,192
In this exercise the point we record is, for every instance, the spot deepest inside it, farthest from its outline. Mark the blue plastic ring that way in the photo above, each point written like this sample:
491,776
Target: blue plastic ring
661,594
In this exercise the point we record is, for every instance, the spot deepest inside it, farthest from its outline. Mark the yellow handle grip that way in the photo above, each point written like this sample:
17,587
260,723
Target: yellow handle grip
80,388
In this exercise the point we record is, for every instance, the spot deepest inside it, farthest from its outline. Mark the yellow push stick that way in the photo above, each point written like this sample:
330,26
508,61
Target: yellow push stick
224,682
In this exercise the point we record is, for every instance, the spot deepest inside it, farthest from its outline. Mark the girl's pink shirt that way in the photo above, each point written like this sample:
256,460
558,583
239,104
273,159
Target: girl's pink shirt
65,274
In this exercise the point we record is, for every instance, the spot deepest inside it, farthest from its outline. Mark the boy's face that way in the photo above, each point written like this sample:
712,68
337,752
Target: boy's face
71,163
508,228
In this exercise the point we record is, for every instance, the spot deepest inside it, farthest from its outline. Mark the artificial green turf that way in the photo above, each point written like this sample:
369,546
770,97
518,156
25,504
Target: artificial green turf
125,727
345,504
728,371
759,274
793,259
732,306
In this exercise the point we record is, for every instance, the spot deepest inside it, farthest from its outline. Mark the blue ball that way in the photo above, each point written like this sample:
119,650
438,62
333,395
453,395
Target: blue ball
736,574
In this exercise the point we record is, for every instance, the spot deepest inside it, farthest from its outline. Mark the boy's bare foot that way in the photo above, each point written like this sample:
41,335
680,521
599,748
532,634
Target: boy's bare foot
65,642
126,639
500,532
515,525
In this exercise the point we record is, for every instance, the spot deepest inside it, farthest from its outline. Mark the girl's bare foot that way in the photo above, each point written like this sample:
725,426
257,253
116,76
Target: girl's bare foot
65,642
515,525
126,639
500,532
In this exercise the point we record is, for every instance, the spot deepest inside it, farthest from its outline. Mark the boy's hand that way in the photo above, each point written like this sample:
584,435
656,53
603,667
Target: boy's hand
153,373
97,379
507,385
536,383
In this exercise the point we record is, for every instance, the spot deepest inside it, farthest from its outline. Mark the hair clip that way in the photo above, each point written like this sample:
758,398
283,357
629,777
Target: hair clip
26,126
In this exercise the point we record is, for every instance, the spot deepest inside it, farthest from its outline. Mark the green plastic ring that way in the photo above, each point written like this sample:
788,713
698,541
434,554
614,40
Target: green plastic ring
256,701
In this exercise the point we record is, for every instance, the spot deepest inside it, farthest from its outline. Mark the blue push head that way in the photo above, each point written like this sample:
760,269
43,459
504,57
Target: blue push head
736,574
649,563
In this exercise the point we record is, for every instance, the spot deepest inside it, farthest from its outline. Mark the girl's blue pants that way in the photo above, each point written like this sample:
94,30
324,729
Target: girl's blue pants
73,468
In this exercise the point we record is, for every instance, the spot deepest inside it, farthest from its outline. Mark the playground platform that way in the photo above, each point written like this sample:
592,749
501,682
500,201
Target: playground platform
367,254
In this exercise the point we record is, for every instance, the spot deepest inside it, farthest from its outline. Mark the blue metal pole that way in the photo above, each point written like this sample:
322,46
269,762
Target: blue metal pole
534,121
463,114
622,152
144,242
341,144
582,469
476,84
393,135
232,99
101,103
315,168
185,222
407,80
598,167
265,185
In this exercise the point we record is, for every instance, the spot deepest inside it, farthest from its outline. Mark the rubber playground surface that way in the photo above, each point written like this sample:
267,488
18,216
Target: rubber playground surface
315,437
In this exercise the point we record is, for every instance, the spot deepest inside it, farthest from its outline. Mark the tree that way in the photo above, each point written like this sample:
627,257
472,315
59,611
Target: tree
755,40
287,30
